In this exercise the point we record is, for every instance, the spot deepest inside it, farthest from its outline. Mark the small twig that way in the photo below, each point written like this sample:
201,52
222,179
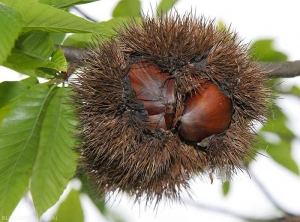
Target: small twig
277,69
229,212
84,14
265,191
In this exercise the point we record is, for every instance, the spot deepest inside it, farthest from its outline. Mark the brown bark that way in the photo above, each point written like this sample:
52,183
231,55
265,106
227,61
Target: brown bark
287,69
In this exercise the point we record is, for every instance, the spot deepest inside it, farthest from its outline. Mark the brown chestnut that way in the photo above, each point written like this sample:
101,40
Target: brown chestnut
207,111
155,89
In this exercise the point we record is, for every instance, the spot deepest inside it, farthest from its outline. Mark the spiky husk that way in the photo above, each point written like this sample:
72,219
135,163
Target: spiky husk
118,151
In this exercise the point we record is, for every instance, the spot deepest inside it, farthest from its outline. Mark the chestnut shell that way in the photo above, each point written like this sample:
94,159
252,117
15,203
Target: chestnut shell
131,131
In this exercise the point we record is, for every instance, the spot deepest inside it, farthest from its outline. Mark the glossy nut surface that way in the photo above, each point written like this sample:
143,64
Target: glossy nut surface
207,112
155,89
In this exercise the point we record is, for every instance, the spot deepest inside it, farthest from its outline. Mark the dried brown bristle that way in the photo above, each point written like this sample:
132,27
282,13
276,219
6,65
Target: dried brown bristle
165,101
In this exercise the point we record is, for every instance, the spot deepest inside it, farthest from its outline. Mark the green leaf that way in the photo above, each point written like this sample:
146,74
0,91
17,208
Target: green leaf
25,64
30,81
86,40
221,25
264,51
11,90
56,160
19,142
58,60
165,5
58,38
225,187
295,90
277,124
45,72
36,44
38,16
5,110
70,209
79,40
57,64
65,3
32,50
127,8
11,24
281,153
31,64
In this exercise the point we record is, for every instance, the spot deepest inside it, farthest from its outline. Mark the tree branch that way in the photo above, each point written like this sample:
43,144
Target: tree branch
282,69
277,69
73,54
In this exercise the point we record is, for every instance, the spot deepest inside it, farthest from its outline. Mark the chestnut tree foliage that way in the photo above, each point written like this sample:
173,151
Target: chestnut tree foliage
37,121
